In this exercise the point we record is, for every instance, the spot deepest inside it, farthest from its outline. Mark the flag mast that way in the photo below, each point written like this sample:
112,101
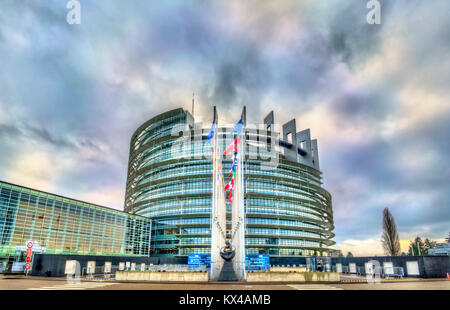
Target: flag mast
218,208
238,207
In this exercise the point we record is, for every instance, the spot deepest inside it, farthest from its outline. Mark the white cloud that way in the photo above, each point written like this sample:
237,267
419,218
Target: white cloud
110,196
37,169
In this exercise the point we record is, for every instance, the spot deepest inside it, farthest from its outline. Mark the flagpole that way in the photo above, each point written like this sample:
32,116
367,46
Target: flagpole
214,234
218,208
238,212
241,198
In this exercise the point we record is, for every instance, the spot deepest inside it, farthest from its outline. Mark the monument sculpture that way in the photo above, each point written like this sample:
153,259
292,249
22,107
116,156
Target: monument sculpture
228,255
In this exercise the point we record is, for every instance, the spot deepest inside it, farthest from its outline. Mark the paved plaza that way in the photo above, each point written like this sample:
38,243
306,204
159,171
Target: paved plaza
62,284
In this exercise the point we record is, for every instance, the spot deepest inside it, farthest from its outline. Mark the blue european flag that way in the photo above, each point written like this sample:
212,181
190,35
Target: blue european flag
211,132
237,128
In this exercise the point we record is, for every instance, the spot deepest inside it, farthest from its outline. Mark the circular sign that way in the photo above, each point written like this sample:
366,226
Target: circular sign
27,266
30,244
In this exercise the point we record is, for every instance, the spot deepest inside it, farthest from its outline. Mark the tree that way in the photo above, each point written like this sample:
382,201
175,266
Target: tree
419,247
389,238
414,249
349,254
428,244
411,249
340,254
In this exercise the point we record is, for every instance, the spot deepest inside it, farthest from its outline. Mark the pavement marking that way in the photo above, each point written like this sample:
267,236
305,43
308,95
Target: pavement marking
386,280
302,287
74,286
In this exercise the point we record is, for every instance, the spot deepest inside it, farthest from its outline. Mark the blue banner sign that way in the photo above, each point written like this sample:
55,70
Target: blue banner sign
195,260
252,261
257,262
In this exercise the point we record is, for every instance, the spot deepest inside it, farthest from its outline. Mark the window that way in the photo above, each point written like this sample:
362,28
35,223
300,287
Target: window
412,268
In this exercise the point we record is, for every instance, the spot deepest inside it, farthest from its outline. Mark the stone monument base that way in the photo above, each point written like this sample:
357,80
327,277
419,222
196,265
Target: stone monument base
227,273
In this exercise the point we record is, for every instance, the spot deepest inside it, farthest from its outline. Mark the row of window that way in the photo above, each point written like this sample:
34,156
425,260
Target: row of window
178,212
284,232
201,149
280,222
195,230
157,127
253,240
197,186
278,211
281,203
174,170
276,241
252,250
196,240
250,220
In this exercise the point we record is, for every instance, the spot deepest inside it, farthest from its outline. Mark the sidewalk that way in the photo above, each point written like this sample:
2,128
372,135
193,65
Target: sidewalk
349,278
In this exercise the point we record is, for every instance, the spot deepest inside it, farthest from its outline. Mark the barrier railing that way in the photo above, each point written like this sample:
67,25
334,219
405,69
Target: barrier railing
102,272
385,272
289,268
395,272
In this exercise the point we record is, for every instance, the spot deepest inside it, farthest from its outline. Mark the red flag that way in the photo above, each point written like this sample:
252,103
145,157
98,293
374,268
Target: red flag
229,149
232,146
231,195
229,185
236,141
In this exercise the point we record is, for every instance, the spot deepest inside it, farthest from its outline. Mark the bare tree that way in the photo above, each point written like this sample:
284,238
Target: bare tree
389,238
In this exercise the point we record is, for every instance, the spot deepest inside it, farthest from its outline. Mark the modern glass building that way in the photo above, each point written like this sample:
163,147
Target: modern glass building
288,212
66,226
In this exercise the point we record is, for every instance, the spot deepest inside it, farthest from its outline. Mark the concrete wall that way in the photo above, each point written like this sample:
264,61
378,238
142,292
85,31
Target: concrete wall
429,266
304,137
436,266
293,277
290,128
288,269
162,276
315,154
55,264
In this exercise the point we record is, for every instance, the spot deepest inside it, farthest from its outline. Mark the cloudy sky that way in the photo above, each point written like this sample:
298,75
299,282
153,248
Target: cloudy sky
376,96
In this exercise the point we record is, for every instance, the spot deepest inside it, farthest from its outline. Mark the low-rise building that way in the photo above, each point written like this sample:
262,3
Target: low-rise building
440,249
66,226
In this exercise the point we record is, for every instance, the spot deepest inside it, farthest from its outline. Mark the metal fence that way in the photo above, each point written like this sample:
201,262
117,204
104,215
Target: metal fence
288,267
385,272
394,272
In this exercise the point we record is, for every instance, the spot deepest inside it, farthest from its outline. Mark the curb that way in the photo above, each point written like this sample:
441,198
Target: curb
97,280
393,281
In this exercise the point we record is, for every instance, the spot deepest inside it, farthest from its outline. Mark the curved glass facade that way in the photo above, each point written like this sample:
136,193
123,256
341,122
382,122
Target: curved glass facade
288,212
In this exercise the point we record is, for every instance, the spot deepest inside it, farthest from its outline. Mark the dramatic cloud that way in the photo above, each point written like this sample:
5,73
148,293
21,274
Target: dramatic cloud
376,96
